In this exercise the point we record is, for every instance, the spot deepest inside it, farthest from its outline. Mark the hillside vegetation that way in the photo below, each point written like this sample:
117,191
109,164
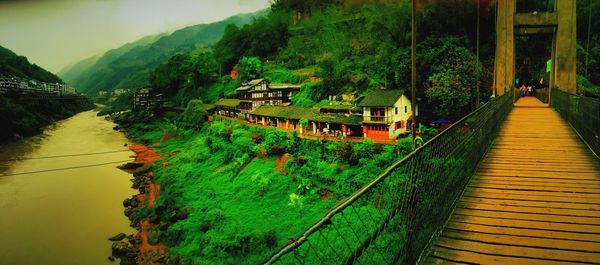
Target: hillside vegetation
129,66
232,193
20,118
16,65
73,74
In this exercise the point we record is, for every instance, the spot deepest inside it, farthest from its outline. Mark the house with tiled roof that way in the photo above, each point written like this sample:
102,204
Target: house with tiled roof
386,114
320,121
381,116
260,92
227,107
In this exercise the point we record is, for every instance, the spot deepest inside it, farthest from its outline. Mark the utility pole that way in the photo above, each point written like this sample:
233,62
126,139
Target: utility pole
477,92
413,78
587,49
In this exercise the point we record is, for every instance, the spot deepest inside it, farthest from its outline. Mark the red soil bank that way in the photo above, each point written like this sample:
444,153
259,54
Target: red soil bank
147,156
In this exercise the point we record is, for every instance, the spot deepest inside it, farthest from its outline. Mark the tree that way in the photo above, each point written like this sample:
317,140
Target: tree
203,69
194,115
447,94
170,76
449,72
249,68
184,75
229,48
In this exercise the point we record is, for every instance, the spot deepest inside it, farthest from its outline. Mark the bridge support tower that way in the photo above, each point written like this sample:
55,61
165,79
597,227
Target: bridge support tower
561,23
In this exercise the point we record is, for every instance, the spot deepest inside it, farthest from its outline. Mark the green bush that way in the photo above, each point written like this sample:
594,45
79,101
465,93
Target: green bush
194,115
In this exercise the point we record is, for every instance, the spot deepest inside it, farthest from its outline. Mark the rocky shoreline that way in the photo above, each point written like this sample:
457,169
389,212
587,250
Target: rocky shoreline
140,248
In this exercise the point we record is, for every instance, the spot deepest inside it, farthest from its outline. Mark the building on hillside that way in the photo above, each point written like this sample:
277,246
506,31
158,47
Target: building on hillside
8,83
228,107
65,90
283,117
319,121
344,120
119,91
146,98
260,92
386,114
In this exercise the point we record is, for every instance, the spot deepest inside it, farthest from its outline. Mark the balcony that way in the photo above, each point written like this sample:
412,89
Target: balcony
377,119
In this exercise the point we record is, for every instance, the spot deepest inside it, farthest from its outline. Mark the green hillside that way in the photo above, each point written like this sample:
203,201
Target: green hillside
70,73
128,66
74,72
27,117
222,177
13,64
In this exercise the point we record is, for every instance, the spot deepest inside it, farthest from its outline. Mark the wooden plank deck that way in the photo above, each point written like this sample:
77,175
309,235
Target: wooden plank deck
535,198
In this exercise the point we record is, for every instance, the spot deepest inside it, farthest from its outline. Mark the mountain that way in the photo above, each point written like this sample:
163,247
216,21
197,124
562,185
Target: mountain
72,72
13,64
129,65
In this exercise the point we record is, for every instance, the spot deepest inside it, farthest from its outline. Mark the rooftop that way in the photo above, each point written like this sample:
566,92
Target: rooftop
283,86
312,114
381,98
228,102
249,84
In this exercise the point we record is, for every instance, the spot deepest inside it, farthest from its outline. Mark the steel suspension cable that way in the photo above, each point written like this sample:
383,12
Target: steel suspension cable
65,155
64,168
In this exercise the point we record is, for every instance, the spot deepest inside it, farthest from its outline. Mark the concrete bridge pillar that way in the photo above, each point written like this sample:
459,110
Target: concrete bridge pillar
562,23
504,67
565,50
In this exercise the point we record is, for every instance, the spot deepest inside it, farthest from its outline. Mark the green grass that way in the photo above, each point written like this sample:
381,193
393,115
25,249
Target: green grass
242,209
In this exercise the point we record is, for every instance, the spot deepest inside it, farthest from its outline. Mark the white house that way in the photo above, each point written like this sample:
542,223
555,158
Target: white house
386,114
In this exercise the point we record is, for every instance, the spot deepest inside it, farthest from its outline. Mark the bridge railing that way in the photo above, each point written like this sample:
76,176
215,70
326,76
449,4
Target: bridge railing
392,219
542,94
583,113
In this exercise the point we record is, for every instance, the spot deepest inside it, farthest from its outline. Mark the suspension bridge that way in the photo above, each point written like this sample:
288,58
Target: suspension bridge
517,181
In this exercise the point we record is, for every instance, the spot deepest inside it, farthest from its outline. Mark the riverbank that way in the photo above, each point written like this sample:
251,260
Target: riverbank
143,248
25,117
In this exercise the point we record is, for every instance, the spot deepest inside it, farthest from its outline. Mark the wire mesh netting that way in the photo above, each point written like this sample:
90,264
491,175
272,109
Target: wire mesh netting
583,113
542,94
393,218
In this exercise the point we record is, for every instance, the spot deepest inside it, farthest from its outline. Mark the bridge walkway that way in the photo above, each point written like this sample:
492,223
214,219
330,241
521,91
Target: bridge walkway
535,198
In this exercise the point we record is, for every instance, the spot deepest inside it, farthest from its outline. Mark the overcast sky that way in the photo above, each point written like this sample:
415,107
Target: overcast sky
56,33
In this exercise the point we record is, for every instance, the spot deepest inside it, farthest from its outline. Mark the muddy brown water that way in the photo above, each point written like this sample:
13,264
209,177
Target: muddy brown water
63,216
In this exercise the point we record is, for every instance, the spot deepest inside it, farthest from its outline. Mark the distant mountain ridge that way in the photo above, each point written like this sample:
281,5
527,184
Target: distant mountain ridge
71,73
12,64
129,65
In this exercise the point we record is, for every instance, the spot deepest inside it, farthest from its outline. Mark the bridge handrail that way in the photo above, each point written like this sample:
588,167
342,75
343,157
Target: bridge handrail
404,223
582,113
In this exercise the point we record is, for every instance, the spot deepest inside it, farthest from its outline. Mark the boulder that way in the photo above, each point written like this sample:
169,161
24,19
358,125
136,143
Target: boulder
118,237
131,202
121,248
142,169
130,165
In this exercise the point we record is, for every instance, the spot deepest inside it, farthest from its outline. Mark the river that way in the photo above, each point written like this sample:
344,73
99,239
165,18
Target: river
63,216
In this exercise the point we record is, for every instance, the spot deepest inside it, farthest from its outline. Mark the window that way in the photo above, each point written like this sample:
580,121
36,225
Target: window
396,110
405,109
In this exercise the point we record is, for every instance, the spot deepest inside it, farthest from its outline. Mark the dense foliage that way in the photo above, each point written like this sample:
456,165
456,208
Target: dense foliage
29,117
15,65
23,116
264,37
248,189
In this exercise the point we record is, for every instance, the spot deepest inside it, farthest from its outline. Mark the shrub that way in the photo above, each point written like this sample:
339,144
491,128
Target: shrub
194,115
